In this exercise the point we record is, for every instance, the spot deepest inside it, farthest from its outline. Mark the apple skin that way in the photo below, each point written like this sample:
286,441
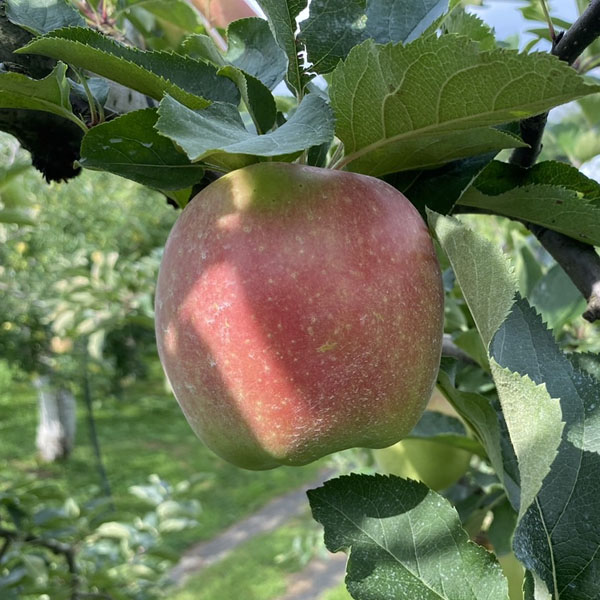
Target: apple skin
299,311
436,464
222,12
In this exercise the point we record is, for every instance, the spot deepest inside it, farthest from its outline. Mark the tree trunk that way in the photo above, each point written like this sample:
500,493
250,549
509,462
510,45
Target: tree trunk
56,425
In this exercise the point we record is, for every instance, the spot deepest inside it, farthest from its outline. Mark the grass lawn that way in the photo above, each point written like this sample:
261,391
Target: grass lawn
142,434
337,593
258,570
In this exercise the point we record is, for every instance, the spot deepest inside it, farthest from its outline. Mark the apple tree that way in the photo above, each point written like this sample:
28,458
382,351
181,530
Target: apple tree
419,94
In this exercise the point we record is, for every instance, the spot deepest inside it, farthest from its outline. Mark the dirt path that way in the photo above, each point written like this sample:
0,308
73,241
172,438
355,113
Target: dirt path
270,517
317,577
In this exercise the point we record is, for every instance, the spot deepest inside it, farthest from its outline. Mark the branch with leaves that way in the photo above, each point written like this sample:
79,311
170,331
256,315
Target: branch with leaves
580,261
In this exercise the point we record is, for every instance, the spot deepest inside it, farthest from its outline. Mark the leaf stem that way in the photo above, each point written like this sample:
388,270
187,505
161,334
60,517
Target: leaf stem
336,156
548,20
88,93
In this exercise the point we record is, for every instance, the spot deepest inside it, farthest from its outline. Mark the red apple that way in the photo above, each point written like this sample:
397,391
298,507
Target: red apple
220,13
299,311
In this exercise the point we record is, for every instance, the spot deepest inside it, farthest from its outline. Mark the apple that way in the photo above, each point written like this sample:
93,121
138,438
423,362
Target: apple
299,311
515,573
436,464
220,13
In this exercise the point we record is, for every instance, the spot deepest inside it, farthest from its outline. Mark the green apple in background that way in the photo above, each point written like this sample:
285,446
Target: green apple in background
436,464
299,311
514,572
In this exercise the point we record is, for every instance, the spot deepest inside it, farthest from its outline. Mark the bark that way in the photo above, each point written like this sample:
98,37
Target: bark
55,437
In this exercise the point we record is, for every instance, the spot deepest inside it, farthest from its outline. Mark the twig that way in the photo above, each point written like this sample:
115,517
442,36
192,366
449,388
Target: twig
449,348
87,394
579,261
54,546
4,549
549,20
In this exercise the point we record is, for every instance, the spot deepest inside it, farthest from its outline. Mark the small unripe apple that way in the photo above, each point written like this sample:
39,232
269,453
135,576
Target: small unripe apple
515,573
299,311
436,464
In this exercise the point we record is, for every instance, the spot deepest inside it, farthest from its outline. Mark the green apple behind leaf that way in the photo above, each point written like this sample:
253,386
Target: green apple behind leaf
430,460
436,464
514,572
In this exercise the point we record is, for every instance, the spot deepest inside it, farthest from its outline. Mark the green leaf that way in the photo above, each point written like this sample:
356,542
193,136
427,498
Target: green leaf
20,217
129,146
481,417
552,194
282,16
202,46
461,22
113,529
482,271
437,99
405,542
43,16
534,424
587,362
439,189
502,528
218,134
557,537
253,49
256,96
334,27
445,429
50,94
557,299
192,82
177,12
98,86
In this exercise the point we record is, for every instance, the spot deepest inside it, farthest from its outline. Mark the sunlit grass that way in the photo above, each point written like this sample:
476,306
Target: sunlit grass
141,434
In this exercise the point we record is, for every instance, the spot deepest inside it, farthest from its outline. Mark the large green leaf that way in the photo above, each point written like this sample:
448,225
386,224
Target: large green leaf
129,146
482,271
556,298
43,16
256,96
551,194
558,537
334,27
192,82
436,100
50,94
253,49
218,135
481,417
530,414
461,22
282,16
405,542
439,189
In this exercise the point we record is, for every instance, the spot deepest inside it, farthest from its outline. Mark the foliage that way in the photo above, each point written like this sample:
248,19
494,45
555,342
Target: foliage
139,434
81,271
419,92
54,545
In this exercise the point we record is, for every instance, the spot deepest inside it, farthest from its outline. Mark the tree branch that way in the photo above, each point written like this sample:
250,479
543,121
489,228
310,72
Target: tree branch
54,546
579,261
449,348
